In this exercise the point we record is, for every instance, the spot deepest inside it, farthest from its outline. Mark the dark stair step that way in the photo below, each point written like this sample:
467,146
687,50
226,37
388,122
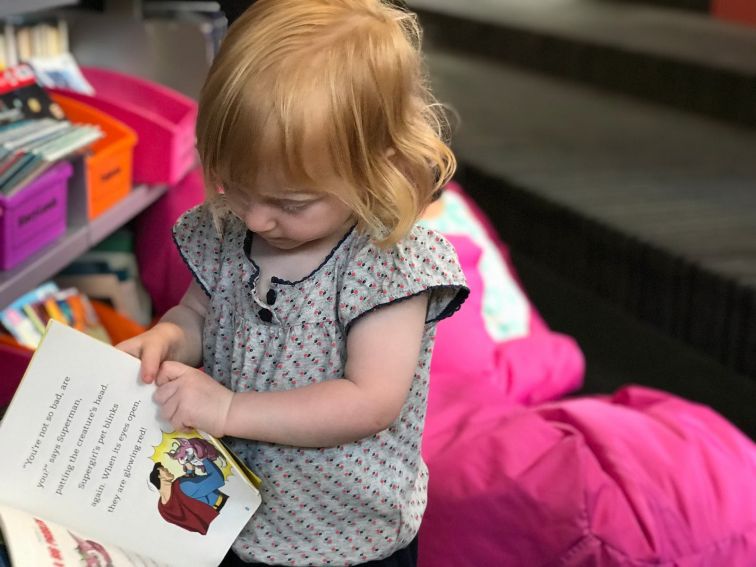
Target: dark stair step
621,350
683,59
649,207
703,6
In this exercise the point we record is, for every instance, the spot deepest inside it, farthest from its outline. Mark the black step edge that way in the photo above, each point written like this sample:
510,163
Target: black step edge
724,94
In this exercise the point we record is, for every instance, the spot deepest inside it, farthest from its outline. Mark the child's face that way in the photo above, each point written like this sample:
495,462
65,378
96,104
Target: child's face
288,218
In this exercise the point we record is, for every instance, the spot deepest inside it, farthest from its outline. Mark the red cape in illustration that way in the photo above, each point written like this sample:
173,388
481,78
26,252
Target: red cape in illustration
186,512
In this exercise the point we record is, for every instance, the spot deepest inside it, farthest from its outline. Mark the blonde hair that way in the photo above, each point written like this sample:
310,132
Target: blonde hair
350,68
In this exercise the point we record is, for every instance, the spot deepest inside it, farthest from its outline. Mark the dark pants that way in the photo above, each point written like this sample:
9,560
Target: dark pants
405,557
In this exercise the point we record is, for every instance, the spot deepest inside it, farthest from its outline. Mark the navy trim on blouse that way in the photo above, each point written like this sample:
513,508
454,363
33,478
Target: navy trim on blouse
451,308
189,265
248,248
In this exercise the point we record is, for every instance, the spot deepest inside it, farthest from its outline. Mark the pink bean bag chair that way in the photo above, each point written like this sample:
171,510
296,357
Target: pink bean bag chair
637,479
643,478
498,336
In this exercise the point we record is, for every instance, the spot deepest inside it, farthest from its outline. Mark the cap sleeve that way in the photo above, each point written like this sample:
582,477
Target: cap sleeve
199,244
422,262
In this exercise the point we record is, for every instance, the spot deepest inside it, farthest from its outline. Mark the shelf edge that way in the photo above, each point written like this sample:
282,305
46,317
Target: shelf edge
19,7
78,239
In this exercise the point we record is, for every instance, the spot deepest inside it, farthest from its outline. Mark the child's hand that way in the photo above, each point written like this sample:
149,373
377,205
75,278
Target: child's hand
189,398
152,348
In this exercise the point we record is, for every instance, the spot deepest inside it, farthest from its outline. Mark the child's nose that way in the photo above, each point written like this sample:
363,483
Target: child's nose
260,219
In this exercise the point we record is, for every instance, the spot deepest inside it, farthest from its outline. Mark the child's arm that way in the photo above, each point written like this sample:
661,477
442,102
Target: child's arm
178,335
382,352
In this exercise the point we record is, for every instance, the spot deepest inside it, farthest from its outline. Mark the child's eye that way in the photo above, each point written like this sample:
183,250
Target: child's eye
294,208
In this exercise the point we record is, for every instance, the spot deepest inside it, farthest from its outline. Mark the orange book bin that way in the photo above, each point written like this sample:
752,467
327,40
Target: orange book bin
108,169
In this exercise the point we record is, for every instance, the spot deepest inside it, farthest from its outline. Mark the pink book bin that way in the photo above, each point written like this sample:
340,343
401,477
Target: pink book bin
162,118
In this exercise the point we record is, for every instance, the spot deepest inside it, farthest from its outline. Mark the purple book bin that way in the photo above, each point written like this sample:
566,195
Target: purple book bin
35,216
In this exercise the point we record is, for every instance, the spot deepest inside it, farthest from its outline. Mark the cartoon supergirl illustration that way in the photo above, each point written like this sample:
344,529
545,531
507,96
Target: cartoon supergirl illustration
193,499
191,451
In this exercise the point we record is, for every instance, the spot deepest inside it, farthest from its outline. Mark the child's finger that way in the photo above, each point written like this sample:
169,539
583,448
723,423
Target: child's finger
168,372
178,415
164,393
169,409
152,356
130,346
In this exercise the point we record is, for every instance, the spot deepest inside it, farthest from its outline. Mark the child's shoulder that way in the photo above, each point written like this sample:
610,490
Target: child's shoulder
421,243
373,276
206,241
422,255
198,218
207,222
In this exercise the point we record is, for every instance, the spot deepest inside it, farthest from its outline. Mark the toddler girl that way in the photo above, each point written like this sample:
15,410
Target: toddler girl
316,295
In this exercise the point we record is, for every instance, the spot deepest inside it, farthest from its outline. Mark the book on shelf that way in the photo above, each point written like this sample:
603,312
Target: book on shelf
90,470
40,136
79,313
19,89
26,318
106,287
100,279
43,44
17,323
28,155
60,72
32,36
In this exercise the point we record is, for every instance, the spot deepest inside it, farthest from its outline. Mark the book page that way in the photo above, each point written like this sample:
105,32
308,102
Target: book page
83,446
33,542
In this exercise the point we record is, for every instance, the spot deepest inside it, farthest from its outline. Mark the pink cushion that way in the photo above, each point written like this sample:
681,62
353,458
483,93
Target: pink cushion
541,365
641,478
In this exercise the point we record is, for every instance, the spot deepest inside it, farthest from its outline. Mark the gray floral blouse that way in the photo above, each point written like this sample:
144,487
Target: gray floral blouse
329,506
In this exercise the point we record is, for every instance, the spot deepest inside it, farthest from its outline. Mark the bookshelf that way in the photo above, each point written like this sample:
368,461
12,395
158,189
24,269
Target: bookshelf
79,238
81,234
17,7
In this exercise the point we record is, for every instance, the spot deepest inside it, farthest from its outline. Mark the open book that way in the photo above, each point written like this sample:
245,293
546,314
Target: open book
91,476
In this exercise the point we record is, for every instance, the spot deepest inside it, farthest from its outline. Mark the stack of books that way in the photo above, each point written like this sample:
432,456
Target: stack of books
42,42
22,39
26,318
34,134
